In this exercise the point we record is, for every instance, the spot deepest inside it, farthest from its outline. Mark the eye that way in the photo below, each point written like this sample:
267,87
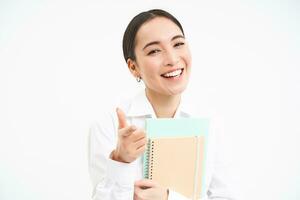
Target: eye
153,51
178,44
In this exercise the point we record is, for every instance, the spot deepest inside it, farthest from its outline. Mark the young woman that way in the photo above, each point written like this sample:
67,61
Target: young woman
157,53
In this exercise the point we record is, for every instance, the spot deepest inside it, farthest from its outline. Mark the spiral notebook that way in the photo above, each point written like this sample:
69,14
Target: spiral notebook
175,156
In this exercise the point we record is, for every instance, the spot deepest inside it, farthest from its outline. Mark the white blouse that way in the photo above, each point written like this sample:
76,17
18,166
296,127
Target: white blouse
114,180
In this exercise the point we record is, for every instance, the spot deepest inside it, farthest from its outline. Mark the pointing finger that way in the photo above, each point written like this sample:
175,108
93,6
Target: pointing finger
121,118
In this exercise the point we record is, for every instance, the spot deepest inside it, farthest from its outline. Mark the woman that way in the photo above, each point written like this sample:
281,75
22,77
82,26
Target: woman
156,52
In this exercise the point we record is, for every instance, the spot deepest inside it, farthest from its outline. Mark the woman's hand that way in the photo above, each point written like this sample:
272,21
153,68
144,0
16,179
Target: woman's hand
149,190
131,141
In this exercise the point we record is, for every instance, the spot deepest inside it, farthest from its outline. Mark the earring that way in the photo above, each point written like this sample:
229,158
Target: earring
138,79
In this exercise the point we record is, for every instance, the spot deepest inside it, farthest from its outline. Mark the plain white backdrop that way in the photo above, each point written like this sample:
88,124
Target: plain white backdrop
61,63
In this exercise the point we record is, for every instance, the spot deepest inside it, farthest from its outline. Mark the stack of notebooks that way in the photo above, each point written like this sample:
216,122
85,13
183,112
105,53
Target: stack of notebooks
176,153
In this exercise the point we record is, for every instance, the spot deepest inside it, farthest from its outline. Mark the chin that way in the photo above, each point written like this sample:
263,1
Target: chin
176,91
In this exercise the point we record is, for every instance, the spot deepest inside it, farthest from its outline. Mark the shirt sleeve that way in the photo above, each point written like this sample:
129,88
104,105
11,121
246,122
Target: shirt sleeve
221,184
111,180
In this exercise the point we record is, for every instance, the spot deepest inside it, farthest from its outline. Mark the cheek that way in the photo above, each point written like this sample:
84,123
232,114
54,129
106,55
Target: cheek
151,68
186,55
187,58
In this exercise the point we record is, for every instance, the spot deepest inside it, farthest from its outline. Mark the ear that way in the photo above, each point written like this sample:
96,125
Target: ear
133,68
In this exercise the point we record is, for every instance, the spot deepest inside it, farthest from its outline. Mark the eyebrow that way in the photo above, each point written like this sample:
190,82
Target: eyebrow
157,42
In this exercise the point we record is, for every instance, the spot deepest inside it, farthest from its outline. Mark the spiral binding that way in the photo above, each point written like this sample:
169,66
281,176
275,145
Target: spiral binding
146,161
151,159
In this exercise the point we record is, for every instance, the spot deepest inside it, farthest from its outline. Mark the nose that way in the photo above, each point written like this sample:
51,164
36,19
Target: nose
171,58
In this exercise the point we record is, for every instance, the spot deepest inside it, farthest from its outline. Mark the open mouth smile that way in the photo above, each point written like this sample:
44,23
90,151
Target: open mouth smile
173,74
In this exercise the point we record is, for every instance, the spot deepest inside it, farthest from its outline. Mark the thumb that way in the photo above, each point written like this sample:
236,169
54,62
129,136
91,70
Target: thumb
145,183
121,118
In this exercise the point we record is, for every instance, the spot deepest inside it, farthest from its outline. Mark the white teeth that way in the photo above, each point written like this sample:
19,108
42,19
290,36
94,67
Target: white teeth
172,74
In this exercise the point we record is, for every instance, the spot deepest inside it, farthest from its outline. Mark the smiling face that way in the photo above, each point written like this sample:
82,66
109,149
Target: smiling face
163,59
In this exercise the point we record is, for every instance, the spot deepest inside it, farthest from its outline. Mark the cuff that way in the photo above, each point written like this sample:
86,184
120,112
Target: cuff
121,173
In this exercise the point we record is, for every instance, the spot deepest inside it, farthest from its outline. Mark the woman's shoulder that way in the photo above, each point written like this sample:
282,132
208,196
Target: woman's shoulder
198,107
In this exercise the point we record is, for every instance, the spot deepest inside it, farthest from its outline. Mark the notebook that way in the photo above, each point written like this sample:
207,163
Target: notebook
175,155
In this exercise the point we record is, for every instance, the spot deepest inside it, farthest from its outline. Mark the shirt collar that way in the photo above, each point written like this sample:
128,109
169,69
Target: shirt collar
141,106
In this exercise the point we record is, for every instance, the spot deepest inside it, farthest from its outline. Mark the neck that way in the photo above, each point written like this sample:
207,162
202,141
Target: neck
164,106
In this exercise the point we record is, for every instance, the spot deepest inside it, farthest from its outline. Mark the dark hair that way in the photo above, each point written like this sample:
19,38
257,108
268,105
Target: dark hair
134,25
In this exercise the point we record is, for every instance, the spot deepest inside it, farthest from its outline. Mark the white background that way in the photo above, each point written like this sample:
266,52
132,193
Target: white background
61,62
